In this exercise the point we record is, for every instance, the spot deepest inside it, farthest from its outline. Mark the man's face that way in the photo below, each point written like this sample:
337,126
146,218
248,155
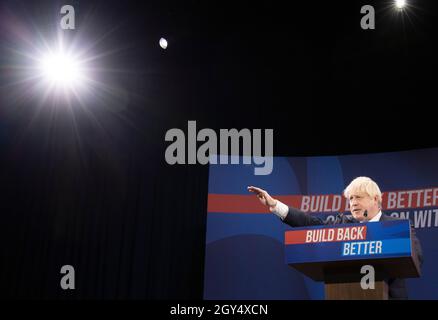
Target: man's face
359,202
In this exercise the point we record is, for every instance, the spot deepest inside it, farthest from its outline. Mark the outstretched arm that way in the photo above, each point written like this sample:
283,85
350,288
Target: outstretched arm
290,216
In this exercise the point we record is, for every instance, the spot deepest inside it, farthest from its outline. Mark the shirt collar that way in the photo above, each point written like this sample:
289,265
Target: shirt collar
376,217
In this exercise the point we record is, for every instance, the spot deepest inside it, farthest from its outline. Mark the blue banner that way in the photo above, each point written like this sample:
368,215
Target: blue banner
245,250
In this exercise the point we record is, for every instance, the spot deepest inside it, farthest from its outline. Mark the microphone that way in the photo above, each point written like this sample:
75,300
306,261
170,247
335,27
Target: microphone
365,214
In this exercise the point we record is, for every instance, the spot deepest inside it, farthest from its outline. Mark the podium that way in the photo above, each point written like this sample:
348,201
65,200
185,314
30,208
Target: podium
337,254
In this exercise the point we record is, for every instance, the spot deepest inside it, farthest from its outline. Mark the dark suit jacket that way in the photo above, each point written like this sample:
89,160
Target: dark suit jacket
396,287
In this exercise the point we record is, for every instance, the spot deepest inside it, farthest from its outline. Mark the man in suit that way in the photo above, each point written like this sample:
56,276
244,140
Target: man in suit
365,201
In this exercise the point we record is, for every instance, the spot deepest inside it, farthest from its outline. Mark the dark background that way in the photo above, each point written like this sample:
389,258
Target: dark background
89,186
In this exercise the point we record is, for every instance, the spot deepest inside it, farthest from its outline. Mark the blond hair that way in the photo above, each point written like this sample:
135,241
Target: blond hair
364,185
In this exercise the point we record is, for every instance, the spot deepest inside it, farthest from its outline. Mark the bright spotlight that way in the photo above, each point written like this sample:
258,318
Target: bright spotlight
60,69
50,69
400,4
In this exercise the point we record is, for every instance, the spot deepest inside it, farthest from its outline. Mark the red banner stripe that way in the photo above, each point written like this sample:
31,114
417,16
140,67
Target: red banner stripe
328,203
232,203
354,233
295,237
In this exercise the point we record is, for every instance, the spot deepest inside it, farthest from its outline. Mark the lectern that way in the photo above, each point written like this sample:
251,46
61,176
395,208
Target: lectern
341,256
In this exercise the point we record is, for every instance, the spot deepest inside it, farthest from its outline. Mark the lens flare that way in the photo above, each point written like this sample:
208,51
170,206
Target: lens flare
61,69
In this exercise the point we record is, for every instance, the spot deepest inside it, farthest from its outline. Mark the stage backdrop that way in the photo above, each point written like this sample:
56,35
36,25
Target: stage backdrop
244,256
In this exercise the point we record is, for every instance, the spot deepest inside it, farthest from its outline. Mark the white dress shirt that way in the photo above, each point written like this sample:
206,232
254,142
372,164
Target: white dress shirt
376,218
280,210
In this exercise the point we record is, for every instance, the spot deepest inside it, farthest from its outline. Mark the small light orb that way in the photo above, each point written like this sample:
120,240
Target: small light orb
163,43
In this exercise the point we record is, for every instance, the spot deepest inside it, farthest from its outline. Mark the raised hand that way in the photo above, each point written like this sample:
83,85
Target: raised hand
263,196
